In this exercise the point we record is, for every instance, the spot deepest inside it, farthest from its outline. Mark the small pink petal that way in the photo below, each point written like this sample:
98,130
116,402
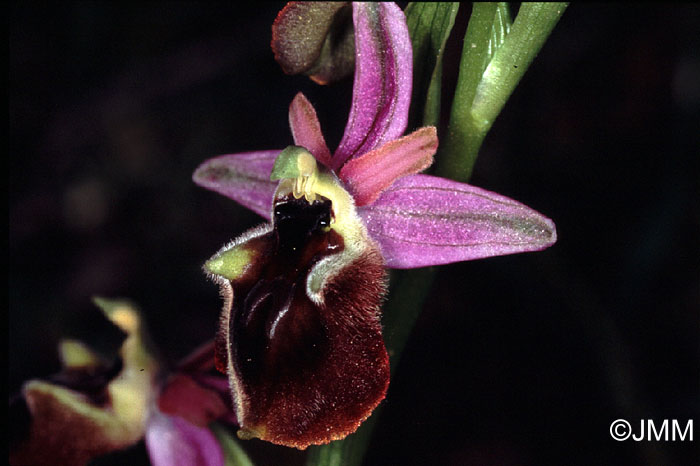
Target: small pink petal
221,385
423,220
214,382
243,177
383,79
183,396
172,441
370,174
307,130
201,359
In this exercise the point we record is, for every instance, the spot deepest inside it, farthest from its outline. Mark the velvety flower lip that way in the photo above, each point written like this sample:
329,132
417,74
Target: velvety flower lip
71,423
95,425
300,336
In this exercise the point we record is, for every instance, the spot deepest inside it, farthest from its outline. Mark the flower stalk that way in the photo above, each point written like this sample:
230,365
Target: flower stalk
495,57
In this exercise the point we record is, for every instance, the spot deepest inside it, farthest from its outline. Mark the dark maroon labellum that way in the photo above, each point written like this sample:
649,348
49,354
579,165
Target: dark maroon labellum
304,370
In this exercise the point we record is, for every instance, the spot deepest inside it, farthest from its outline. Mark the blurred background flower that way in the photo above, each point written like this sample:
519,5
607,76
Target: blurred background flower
113,106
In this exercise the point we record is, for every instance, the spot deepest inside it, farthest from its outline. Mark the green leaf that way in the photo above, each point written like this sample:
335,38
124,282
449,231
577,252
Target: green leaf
429,25
494,59
488,26
234,455
511,60
500,28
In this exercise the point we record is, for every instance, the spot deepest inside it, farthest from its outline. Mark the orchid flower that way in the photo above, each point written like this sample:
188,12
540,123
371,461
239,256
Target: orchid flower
92,408
300,332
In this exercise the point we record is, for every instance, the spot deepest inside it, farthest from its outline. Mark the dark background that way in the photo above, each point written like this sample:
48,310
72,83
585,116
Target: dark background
517,360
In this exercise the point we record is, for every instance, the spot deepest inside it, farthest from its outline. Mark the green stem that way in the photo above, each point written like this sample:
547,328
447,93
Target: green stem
530,30
429,25
410,289
461,146
488,75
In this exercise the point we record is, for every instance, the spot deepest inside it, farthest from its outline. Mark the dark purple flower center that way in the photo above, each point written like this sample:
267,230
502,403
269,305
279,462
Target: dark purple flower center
277,330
